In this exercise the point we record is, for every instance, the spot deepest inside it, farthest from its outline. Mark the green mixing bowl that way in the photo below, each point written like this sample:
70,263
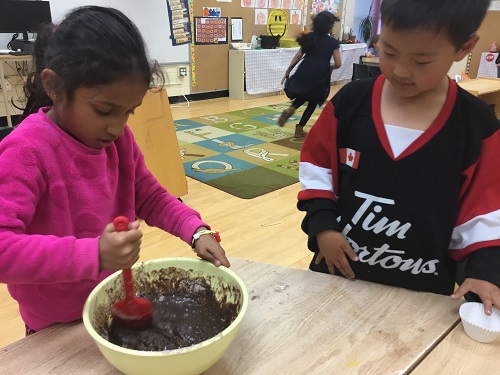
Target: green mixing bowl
184,361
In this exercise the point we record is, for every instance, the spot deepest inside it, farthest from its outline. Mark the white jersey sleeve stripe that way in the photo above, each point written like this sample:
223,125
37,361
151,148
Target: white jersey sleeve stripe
313,177
479,229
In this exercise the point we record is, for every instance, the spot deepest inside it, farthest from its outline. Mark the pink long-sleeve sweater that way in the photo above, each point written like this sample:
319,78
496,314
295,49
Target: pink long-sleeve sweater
56,197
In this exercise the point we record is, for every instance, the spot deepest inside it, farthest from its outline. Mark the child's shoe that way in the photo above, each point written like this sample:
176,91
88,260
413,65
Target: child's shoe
285,115
299,131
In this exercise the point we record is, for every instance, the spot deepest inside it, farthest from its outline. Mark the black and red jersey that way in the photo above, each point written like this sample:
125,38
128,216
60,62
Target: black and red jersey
411,217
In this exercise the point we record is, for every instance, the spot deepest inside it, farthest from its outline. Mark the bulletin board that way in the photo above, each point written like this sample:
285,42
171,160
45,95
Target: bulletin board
211,65
488,32
180,23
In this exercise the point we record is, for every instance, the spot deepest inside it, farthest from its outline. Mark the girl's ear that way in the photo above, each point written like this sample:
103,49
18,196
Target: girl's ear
467,47
52,84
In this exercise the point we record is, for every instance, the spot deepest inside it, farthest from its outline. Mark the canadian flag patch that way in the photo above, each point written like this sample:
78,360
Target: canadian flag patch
349,157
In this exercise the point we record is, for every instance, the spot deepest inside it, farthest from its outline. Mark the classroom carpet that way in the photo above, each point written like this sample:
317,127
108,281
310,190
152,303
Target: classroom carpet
244,153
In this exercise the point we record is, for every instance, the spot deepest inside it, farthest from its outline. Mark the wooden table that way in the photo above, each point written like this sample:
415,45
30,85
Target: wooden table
486,88
371,61
298,322
7,59
458,354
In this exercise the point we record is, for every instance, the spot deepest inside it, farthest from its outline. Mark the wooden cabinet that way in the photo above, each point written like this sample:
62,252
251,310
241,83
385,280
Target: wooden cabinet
154,132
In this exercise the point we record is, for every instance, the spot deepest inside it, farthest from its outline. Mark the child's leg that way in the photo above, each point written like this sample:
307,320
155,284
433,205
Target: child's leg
287,113
299,128
29,331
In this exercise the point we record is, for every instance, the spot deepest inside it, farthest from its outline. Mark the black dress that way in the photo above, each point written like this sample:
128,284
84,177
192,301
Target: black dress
311,80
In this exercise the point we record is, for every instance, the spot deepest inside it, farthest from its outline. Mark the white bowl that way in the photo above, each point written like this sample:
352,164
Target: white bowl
184,361
477,324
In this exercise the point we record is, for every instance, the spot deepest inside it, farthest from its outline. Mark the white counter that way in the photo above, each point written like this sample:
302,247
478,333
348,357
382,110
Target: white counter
261,71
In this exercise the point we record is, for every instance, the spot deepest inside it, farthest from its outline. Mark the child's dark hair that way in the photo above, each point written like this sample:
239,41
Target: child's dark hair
458,19
374,40
91,46
322,25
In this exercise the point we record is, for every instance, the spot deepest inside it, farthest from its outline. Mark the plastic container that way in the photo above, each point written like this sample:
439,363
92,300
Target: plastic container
479,326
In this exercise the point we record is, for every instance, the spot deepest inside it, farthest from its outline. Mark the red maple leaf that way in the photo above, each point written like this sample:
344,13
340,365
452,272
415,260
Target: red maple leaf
350,157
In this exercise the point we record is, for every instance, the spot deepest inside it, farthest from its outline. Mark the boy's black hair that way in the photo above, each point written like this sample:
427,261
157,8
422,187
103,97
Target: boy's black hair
92,46
322,25
459,19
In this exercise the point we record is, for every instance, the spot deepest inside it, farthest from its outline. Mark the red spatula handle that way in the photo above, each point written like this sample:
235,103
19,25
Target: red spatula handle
121,225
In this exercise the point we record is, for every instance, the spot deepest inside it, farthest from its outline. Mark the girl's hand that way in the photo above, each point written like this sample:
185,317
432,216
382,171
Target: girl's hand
333,248
119,250
488,292
284,78
207,247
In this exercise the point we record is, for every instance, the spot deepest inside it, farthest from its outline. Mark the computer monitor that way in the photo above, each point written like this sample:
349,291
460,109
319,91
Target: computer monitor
17,16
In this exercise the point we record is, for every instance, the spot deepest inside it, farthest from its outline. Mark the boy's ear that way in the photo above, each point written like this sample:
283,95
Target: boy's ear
52,84
467,47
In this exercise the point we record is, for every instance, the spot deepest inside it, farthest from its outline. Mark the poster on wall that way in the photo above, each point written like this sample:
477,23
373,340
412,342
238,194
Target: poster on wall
297,4
260,16
180,25
332,6
211,12
295,17
210,30
236,29
275,4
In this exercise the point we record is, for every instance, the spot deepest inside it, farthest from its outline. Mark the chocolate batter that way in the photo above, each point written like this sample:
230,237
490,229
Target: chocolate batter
185,312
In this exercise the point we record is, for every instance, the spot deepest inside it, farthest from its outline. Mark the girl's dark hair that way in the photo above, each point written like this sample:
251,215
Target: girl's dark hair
91,46
374,39
322,25
458,19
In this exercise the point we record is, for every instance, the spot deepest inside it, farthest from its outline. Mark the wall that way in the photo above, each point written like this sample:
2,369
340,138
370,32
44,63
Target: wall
211,65
211,69
361,8
151,17
176,84
349,14
488,32
458,68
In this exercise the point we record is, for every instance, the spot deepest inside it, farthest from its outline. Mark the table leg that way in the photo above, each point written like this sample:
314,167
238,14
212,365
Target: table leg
4,92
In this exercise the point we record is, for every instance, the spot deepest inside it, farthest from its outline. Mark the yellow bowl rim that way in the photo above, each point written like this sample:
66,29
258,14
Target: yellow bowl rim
101,340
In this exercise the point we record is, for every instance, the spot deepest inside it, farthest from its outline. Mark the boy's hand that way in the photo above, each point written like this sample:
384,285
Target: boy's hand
333,248
119,250
207,247
488,292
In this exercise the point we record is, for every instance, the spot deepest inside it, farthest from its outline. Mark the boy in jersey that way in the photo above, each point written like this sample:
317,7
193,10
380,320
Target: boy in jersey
399,174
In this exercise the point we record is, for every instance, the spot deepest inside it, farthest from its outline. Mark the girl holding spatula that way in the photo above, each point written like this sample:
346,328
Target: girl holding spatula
72,166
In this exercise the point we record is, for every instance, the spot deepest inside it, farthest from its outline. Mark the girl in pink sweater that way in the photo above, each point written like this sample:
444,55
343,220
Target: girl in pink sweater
72,166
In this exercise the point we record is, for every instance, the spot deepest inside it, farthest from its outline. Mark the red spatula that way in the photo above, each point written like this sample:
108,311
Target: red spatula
131,312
